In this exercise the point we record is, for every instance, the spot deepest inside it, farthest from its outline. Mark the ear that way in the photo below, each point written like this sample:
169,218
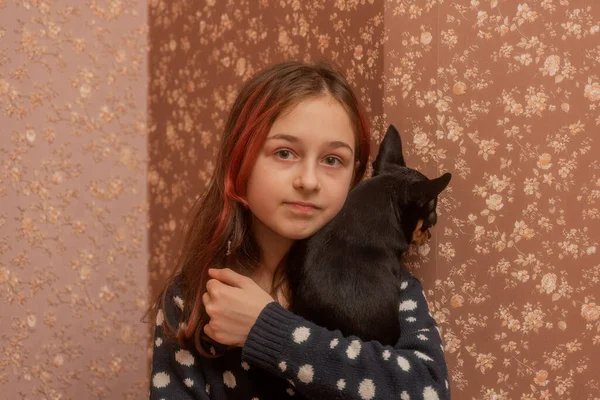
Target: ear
424,191
390,152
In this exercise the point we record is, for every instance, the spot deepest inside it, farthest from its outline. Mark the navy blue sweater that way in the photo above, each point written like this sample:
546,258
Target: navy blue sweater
287,357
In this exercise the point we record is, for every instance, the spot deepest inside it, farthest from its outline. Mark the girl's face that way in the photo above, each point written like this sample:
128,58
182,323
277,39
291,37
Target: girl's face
302,176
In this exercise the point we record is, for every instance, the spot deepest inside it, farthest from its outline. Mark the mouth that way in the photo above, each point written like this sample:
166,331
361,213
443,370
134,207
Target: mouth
426,232
421,233
303,207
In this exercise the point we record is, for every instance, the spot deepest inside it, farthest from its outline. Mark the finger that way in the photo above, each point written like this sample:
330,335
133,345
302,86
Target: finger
206,299
229,277
211,285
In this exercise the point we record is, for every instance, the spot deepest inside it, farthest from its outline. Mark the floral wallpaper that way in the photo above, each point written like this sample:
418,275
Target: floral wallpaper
506,96
99,169
73,237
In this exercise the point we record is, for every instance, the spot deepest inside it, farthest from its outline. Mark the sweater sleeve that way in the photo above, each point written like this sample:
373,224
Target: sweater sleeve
324,364
175,372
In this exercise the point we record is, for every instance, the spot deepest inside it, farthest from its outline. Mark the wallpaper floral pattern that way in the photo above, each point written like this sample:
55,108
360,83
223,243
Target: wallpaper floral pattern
503,94
506,95
73,237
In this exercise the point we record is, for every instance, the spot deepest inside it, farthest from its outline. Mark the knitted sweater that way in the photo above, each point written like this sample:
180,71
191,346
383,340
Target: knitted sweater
287,356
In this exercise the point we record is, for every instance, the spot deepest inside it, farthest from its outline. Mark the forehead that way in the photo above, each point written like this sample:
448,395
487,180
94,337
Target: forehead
316,120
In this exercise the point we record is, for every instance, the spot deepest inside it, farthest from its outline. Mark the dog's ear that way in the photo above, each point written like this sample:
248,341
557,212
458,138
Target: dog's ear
425,191
390,152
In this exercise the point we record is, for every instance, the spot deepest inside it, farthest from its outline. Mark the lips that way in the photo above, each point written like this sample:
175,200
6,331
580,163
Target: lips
302,207
303,204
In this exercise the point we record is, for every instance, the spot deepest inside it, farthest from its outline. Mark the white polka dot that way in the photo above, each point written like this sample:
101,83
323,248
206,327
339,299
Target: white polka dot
366,389
408,305
160,317
404,285
290,391
422,337
158,342
403,363
207,388
245,365
301,334
423,330
353,350
333,343
404,396
184,357
229,379
305,374
178,301
411,319
446,383
430,394
341,384
188,382
291,382
161,380
423,356
212,350
282,366
386,355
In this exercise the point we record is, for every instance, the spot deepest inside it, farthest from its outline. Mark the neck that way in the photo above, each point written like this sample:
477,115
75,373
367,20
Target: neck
273,248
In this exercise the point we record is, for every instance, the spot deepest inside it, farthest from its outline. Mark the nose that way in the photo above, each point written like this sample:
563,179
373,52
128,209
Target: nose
307,178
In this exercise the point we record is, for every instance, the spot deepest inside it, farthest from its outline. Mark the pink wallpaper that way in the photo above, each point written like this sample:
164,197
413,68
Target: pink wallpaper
506,96
73,238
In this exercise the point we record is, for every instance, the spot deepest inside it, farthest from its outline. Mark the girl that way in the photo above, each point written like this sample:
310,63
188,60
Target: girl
294,144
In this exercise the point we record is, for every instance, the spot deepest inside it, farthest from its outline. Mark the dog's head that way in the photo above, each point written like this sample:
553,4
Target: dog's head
414,195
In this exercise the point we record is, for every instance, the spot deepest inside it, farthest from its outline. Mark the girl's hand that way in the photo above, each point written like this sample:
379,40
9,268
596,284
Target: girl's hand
233,303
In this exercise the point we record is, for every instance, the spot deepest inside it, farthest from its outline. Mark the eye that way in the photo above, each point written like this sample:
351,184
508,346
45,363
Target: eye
284,154
333,161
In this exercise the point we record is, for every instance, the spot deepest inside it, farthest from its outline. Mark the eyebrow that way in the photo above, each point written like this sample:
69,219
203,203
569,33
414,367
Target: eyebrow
293,139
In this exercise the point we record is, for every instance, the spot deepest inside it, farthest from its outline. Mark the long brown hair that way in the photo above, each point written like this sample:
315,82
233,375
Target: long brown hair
220,219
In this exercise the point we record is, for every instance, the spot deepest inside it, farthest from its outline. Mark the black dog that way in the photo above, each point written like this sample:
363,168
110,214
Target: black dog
347,275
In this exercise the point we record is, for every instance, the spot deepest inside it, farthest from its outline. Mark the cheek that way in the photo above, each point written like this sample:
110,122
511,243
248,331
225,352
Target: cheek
262,186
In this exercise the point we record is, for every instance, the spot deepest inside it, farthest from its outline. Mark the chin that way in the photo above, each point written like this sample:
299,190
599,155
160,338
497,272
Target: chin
295,233
299,236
